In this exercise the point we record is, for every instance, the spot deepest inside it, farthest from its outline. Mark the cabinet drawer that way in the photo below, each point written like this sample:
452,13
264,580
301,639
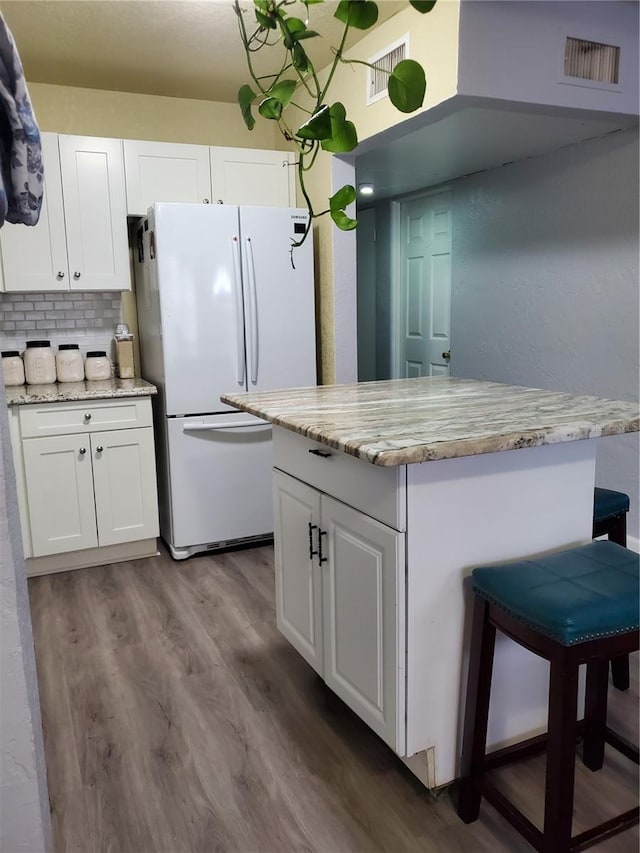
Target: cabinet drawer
92,416
378,492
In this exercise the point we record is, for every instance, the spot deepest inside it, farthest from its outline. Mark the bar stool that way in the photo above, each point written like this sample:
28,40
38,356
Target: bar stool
610,510
577,606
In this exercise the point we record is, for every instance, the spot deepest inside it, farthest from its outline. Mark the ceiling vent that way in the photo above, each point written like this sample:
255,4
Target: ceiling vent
384,63
590,60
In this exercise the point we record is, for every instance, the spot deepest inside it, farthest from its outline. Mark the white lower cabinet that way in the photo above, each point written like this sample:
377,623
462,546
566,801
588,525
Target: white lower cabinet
83,486
340,600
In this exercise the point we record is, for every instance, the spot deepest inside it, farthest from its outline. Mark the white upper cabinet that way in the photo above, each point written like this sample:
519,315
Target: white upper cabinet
95,212
253,176
35,258
165,171
80,241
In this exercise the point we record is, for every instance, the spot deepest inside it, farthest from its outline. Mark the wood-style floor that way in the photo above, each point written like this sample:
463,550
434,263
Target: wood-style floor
177,719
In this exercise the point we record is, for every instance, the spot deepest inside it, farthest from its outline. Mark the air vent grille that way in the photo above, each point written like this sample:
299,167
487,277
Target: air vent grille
590,60
384,63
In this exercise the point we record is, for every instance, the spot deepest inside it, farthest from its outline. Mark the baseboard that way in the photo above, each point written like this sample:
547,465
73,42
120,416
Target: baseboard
91,557
633,544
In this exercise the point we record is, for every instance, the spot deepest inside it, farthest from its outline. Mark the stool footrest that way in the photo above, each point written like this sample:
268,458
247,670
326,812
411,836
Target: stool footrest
606,830
512,814
628,749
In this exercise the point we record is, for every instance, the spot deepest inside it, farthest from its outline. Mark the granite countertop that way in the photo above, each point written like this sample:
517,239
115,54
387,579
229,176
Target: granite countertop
62,392
418,420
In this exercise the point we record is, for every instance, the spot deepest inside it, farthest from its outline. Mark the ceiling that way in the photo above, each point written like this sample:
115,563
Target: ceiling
178,48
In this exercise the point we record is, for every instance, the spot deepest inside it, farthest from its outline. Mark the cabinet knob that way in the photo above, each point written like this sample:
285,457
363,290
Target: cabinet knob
82,451
219,201
87,416
99,448
206,201
60,276
76,275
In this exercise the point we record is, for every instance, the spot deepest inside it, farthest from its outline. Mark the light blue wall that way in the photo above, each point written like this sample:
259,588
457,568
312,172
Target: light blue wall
545,282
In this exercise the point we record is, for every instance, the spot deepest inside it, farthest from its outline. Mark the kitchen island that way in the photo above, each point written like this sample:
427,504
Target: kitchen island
386,495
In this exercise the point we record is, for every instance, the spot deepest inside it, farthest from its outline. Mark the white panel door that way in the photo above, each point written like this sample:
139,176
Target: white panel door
195,261
35,258
298,571
165,171
425,286
124,475
253,176
60,494
279,299
95,213
366,294
363,600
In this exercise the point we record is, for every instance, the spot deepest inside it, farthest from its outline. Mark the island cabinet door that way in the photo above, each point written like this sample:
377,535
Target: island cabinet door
298,572
364,626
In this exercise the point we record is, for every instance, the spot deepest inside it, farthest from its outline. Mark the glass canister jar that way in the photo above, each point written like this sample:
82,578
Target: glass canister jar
69,364
39,363
97,366
12,368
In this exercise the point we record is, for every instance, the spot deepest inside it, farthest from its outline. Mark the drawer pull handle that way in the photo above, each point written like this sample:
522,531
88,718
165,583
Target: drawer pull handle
312,553
82,451
99,448
323,453
87,416
321,559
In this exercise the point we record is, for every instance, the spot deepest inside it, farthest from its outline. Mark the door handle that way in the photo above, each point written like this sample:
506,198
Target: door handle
446,355
239,313
253,310
321,558
312,553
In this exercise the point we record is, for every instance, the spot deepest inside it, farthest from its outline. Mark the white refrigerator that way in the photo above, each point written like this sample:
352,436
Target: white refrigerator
220,308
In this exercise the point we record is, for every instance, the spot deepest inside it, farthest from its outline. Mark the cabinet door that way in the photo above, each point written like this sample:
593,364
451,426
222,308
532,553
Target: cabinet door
59,485
95,212
298,573
252,176
124,477
363,615
165,171
35,258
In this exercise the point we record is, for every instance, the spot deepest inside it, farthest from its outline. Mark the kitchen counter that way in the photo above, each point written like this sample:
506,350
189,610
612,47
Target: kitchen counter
401,421
62,392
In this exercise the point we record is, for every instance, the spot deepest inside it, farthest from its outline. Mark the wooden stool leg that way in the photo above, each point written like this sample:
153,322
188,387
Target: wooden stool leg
561,745
620,672
483,636
595,714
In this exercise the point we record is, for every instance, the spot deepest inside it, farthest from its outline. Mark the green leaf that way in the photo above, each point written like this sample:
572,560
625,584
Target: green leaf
407,85
246,96
299,58
266,14
283,91
360,14
343,133
270,108
318,126
265,21
423,5
345,196
344,222
293,31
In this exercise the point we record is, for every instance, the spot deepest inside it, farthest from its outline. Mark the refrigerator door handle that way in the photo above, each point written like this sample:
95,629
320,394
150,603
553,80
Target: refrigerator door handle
253,311
234,425
237,284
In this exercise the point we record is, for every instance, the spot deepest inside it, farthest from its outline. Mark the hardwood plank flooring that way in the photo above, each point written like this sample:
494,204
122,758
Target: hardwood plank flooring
178,720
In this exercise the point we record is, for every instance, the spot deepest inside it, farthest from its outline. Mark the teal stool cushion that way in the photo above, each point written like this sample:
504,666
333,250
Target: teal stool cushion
607,504
573,595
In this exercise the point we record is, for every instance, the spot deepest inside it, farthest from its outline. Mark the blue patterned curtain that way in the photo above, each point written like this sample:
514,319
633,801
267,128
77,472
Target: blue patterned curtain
21,173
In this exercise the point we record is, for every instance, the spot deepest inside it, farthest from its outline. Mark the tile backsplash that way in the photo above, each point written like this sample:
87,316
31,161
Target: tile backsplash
88,319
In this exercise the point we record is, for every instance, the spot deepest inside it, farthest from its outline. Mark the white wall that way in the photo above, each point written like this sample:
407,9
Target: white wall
515,51
24,808
545,282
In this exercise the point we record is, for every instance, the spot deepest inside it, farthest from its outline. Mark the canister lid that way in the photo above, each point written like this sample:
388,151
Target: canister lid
7,353
38,344
68,346
98,353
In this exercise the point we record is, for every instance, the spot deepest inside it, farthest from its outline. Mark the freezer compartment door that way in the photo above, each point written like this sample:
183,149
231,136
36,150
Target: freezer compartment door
195,249
220,478
279,299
